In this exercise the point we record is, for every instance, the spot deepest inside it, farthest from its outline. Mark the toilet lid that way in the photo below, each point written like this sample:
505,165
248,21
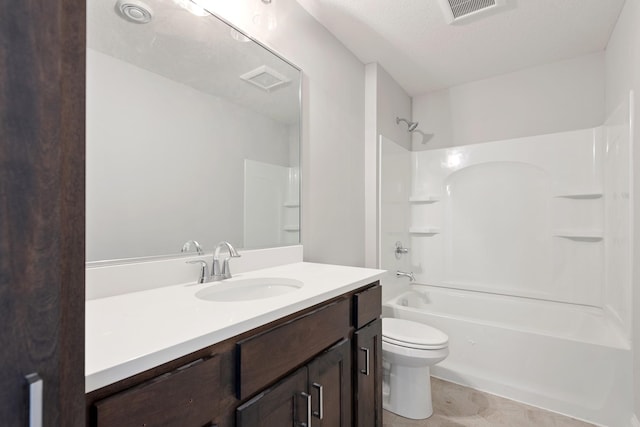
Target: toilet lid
412,334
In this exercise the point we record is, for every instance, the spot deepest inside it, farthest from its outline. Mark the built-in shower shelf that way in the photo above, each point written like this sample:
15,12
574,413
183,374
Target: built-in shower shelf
430,231
291,204
577,196
291,228
586,235
424,199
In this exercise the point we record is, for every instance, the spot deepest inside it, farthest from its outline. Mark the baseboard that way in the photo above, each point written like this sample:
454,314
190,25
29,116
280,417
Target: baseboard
634,421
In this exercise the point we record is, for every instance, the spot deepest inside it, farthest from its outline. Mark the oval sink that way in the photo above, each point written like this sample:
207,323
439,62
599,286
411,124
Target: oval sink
249,289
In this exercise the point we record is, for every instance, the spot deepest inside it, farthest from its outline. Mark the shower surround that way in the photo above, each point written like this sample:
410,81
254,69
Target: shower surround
521,253
521,217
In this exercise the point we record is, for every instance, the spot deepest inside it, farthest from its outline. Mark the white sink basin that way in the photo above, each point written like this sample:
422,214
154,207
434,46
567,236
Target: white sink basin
248,289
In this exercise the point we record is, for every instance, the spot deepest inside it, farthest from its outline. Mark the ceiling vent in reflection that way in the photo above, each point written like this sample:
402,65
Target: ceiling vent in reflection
462,10
266,78
134,11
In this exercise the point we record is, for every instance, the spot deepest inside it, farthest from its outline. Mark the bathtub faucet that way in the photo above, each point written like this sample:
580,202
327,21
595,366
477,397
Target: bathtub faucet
405,274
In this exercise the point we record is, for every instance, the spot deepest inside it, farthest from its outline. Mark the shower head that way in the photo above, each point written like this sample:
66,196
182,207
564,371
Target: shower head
411,126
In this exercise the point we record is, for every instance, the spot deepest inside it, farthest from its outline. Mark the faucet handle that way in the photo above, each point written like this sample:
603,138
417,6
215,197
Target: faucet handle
400,250
204,270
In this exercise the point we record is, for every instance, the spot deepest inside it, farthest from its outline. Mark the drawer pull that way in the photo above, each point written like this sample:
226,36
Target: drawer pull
307,396
320,412
36,386
366,366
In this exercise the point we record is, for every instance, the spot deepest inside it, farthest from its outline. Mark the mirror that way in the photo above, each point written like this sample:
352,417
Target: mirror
193,133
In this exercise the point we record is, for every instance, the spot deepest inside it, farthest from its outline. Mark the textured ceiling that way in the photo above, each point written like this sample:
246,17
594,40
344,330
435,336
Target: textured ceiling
197,51
410,39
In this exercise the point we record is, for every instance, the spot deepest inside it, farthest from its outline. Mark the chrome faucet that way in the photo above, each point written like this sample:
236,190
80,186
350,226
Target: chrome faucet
405,274
187,247
217,273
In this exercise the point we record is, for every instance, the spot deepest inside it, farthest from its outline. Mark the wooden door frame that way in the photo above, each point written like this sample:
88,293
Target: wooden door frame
42,206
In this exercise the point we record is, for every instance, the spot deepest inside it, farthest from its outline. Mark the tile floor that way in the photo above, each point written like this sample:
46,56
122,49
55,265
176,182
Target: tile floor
458,406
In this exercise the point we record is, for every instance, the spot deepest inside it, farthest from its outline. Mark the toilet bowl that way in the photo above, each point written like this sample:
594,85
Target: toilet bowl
409,349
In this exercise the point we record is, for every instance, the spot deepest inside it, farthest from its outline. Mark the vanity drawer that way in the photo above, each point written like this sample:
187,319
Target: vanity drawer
185,397
266,357
367,306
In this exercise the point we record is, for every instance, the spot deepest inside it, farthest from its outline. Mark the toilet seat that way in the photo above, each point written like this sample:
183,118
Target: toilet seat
406,333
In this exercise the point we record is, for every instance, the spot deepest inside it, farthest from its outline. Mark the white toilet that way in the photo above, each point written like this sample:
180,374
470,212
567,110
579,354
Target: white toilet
408,350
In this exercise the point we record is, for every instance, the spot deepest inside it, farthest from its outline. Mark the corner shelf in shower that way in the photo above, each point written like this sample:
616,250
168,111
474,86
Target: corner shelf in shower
424,199
291,228
580,196
291,204
427,231
581,235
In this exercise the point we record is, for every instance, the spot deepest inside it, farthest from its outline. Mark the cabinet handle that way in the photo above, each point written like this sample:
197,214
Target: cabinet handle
308,397
320,412
366,367
36,386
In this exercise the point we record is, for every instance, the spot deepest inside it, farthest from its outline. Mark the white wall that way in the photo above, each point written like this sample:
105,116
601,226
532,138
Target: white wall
332,125
148,128
549,98
622,75
392,102
384,101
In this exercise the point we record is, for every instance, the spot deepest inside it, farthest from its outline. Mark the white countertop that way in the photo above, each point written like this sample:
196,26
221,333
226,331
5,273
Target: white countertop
130,333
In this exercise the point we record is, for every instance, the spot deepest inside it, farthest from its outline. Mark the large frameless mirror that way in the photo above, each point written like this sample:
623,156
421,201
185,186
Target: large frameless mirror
193,133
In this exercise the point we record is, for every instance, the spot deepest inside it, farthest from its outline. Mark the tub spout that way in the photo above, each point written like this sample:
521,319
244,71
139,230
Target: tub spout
405,274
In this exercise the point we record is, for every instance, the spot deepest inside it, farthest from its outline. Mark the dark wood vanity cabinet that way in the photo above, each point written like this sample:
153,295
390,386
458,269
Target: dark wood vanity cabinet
183,397
319,394
330,387
320,367
367,358
281,405
368,380
267,356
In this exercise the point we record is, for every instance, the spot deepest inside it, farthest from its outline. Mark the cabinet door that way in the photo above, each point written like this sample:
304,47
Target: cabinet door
283,405
330,387
368,375
42,146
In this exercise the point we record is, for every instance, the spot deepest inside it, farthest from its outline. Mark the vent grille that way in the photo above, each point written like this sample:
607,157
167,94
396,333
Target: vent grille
466,11
266,78
461,8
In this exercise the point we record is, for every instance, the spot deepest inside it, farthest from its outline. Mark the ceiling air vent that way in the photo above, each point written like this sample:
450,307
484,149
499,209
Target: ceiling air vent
266,78
460,10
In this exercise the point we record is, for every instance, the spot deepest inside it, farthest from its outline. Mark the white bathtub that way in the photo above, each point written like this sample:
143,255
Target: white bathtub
566,358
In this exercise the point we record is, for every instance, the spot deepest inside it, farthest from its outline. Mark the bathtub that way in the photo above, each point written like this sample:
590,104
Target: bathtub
565,358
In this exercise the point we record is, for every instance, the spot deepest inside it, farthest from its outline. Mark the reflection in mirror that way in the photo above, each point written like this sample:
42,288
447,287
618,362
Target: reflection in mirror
192,134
